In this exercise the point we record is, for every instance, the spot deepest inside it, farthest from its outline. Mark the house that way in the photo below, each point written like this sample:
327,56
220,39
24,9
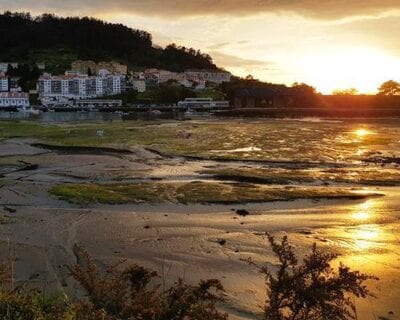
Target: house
259,97
41,65
83,66
139,85
214,76
14,99
189,80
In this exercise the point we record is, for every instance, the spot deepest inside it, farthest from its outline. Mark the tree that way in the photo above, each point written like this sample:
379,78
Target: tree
345,92
304,95
389,88
312,290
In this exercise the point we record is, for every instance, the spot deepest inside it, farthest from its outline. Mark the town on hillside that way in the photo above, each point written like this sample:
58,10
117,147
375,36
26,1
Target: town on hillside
106,84
111,86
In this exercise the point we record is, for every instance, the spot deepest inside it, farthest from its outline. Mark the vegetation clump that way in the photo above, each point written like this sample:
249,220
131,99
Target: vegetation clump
194,192
312,290
308,291
127,294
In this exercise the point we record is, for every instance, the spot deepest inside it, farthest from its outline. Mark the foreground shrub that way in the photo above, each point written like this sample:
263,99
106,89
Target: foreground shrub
22,304
126,295
312,290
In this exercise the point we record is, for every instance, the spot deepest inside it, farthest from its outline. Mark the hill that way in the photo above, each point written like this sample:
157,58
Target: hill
58,41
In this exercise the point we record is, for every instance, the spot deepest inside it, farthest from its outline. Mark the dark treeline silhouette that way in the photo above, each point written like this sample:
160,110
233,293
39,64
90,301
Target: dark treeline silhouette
299,95
89,38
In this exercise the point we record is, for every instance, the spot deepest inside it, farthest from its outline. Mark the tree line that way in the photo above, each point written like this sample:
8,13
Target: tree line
88,38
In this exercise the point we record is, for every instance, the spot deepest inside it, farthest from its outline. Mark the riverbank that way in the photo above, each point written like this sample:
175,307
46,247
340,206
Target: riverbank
323,112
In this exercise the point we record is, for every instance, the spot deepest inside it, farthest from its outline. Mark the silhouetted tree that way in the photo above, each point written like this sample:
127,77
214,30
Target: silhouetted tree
389,88
311,290
345,92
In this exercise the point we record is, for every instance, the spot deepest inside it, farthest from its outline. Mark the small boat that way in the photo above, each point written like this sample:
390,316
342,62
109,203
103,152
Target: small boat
31,111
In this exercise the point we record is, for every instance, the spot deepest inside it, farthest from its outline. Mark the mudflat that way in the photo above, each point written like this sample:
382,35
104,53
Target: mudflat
169,195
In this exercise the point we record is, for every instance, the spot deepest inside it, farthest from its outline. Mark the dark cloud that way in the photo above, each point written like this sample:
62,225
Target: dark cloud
322,9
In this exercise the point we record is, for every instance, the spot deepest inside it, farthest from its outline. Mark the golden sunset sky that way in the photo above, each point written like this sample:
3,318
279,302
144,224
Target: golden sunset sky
331,44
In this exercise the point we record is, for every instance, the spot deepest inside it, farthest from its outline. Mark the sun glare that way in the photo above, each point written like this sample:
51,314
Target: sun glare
364,69
362,133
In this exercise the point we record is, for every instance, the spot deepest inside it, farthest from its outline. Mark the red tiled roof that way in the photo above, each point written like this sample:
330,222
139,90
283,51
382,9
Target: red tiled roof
11,95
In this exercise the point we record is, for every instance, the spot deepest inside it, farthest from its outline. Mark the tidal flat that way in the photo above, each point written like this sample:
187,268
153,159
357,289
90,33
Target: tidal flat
165,193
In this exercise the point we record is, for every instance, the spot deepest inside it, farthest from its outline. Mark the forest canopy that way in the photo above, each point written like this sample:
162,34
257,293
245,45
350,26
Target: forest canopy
57,40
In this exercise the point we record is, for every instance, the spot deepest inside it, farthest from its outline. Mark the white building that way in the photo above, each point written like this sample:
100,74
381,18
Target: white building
139,85
4,84
14,99
202,103
214,76
76,86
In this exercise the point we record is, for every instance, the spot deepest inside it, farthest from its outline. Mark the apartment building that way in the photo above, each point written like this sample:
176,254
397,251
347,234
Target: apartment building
77,86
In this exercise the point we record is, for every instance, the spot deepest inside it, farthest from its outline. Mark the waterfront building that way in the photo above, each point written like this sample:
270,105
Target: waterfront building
77,86
14,99
202,103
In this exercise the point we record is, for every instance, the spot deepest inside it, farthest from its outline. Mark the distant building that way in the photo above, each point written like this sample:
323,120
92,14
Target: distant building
214,76
84,66
139,85
202,103
155,77
14,99
4,84
258,97
41,65
98,103
77,86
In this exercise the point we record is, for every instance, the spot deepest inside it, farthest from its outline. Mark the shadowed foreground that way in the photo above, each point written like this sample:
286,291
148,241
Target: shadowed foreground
312,290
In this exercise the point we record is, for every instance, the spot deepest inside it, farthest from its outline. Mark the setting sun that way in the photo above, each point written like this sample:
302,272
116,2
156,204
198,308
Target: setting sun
361,68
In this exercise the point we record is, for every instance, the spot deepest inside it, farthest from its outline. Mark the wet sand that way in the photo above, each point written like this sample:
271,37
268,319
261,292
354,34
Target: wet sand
184,241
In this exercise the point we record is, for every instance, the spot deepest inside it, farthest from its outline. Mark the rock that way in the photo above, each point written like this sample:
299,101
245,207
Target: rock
222,242
10,210
259,233
242,212
34,276
147,227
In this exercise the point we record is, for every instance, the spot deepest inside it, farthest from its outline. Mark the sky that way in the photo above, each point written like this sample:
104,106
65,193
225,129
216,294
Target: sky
329,44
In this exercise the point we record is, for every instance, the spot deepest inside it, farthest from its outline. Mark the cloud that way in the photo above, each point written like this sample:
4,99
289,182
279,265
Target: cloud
231,61
320,9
